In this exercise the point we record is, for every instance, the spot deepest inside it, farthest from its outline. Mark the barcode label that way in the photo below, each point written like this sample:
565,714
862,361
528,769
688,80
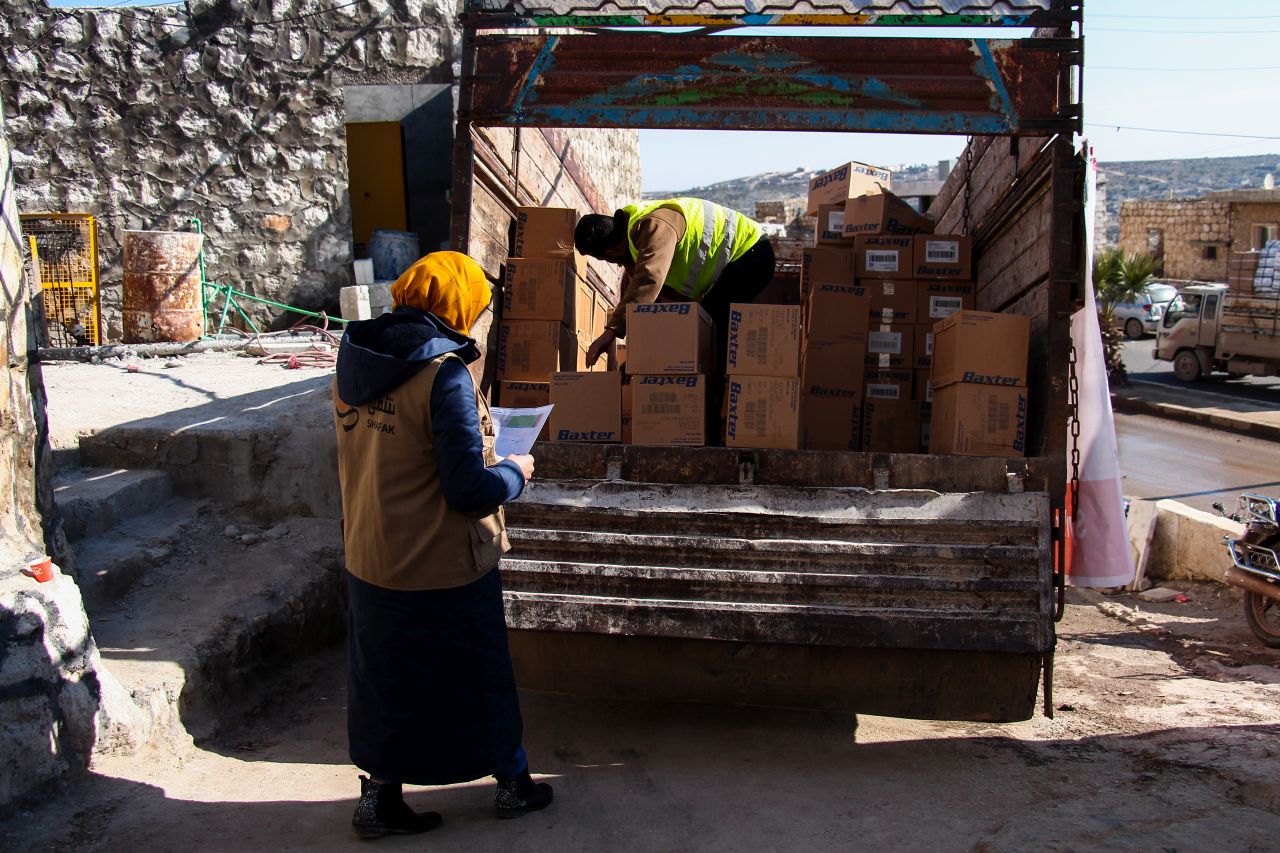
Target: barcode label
885,342
660,409
836,221
928,343
527,297
944,306
942,251
883,392
998,415
882,261
754,417
521,353
757,345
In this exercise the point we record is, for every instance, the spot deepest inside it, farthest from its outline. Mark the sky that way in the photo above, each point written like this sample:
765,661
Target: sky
1171,66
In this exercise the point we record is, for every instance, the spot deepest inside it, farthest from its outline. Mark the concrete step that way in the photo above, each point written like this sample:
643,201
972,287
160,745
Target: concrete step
110,564
218,618
94,500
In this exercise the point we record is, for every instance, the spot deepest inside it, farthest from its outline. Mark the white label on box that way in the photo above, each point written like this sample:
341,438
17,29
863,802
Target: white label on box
928,394
885,360
883,392
942,251
944,306
835,222
886,315
885,342
882,261
888,288
928,343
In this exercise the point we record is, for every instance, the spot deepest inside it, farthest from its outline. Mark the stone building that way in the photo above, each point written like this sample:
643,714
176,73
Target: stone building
1195,237
291,128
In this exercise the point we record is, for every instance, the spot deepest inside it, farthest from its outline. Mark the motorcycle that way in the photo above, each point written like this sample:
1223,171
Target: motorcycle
1255,566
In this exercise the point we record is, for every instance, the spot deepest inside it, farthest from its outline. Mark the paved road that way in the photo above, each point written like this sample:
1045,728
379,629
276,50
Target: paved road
1195,465
1143,368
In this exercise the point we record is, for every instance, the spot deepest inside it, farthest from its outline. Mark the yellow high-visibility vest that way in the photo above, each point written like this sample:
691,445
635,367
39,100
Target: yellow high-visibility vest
714,236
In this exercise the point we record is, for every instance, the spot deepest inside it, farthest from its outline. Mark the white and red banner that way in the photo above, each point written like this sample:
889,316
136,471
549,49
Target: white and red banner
1099,553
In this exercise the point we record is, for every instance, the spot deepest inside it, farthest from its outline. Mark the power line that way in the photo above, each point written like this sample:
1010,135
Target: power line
1183,132
1193,70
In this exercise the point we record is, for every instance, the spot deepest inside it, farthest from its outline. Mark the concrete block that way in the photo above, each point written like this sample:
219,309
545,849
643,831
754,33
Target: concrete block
354,302
1188,543
93,500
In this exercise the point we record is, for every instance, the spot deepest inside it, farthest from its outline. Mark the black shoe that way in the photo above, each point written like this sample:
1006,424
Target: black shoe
516,797
383,811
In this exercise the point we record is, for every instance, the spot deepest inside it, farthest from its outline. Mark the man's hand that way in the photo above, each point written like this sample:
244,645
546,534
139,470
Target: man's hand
525,462
599,345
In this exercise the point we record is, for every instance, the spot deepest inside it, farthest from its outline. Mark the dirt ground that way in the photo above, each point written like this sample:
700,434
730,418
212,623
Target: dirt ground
1164,738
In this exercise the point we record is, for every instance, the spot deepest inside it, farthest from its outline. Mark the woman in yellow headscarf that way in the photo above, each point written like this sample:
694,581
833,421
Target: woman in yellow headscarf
431,698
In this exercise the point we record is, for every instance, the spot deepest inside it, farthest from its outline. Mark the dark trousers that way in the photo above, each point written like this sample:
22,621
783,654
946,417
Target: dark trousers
741,281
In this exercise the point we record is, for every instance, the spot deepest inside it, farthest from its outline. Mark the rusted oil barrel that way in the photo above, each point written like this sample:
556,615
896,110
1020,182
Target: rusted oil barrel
162,287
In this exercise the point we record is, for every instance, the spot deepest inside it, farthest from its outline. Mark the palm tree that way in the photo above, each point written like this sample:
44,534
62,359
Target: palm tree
1118,277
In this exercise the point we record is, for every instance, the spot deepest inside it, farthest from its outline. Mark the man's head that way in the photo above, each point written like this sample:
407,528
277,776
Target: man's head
603,237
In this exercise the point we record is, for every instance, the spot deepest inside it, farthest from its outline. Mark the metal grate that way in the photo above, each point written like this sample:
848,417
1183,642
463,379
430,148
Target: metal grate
64,254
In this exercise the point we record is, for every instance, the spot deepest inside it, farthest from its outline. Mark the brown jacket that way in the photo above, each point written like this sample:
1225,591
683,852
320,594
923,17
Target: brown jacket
655,236
399,532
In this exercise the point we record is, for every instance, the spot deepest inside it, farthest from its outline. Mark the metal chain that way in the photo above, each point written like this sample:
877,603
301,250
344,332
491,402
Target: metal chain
1073,416
968,183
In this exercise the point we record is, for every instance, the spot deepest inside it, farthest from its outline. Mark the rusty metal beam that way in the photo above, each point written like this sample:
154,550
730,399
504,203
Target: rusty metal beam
945,86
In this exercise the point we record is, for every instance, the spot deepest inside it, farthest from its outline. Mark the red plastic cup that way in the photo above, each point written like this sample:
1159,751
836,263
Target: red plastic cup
41,569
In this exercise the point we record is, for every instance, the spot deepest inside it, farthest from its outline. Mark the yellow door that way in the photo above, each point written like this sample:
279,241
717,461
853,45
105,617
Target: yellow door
375,168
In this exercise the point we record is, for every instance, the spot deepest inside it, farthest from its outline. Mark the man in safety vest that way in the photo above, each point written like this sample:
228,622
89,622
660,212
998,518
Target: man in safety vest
686,249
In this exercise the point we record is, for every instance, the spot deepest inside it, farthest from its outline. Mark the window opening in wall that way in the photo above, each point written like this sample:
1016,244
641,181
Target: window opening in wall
1210,253
1264,234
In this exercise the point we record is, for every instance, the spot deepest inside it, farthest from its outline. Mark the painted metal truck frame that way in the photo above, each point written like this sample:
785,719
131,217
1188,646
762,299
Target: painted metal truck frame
910,585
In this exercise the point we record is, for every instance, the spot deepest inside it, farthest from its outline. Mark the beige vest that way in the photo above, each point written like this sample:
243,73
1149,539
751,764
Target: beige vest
399,532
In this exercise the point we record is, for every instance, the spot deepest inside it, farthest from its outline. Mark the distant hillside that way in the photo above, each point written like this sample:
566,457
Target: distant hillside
1130,179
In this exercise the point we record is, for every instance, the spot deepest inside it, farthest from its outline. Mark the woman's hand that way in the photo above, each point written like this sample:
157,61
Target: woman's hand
525,462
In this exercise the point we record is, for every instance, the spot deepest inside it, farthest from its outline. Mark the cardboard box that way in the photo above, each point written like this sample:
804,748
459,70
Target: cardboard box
763,411
922,349
938,300
883,213
889,384
979,420
619,355
948,256
526,395
838,312
829,366
669,410
830,228
669,337
890,426
545,289
845,182
890,345
883,257
825,265
531,350
830,421
976,347
923,391
892,301
545,232
600,310
764,340
588,407
626,409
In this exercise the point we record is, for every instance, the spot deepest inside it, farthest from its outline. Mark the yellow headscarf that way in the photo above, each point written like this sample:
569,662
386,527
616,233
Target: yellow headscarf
448,284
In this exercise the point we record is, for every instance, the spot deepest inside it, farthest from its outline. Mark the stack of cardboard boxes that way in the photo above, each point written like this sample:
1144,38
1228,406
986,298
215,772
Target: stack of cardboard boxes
668,358
979,382
865,383
762,400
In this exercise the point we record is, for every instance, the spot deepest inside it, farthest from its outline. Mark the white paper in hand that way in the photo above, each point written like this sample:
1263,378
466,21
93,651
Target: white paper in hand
518,428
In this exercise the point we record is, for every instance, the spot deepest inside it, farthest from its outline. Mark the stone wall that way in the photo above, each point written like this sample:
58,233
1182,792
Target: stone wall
1188,228
51,684
229,111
